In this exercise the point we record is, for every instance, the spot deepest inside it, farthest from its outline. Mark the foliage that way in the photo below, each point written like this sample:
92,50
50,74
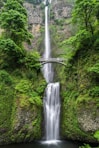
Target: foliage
18,91
80,41
6,99
15,5
59,22
94,91
23,86
36,123
13,56
70,126
13,19
32,60
35,99
40,87
14,22
94,68
85,146
96,135
85,14
87,33
79,91
10,54
42,6
20,85
5,77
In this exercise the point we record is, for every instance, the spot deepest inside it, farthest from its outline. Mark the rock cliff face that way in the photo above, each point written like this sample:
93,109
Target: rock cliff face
59,11
88,121
35,20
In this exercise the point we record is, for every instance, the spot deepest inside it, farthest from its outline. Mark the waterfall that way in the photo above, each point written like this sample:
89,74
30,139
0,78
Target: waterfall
47,69
52,97
52,111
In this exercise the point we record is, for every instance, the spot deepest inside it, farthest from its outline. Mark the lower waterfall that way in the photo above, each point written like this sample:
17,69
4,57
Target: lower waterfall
52,111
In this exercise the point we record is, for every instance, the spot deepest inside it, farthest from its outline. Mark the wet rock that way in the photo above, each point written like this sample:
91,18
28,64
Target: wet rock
88,122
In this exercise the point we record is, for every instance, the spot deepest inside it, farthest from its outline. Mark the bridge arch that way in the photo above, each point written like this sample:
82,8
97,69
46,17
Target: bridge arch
52,60
43,63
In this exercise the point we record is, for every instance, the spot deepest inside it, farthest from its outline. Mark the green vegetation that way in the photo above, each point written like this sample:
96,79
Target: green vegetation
85,146
13,19
21,82
80,88
96,135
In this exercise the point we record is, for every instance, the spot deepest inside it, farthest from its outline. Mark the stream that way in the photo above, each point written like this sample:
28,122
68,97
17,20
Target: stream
60,144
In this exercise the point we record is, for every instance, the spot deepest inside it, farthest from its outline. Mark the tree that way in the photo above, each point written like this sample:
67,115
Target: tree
85,18
85,12
13,20
10,54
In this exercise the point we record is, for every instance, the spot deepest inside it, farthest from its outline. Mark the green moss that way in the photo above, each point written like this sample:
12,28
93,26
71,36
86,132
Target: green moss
96,135
20,94
23,101
79,93
23,86
6,103
37,126
70,125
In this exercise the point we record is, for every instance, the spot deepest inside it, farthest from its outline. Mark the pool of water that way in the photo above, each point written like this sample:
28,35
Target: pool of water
42,144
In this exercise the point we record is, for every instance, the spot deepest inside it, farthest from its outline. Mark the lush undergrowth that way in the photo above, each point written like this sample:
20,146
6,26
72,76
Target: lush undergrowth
79,86
21,92
80,95
21,82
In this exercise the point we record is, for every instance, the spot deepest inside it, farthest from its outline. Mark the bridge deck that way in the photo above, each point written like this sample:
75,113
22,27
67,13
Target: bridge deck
52,59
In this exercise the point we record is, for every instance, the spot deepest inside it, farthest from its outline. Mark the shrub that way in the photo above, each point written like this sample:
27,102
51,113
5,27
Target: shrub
94,69
5,77
94,91
23,86
85,146
96,135
31,60
10,53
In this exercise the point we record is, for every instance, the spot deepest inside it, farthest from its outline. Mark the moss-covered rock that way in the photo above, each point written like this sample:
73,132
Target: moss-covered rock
80,97
21,106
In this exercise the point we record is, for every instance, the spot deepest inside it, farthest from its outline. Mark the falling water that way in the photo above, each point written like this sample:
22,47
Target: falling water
52,96
47,69
52,111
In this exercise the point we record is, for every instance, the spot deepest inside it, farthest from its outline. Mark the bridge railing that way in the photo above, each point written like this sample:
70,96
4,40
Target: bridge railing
52,59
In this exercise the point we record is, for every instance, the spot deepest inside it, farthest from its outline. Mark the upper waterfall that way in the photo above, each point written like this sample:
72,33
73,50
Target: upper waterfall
47,69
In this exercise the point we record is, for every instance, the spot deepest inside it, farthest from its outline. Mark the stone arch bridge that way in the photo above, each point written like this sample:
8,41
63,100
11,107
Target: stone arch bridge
52,60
